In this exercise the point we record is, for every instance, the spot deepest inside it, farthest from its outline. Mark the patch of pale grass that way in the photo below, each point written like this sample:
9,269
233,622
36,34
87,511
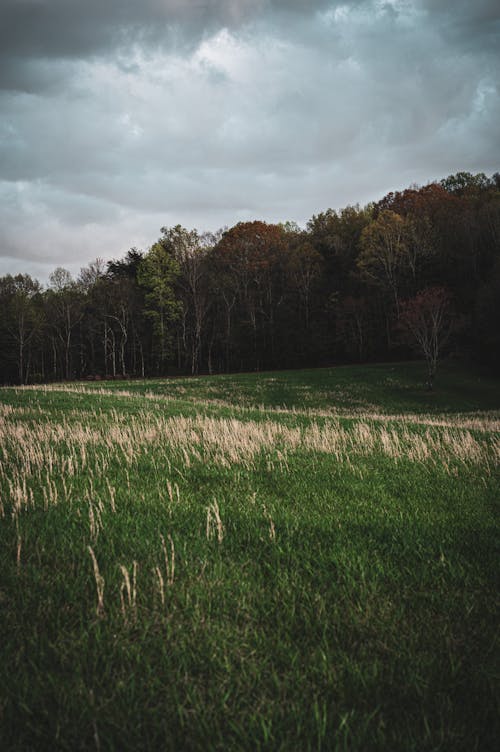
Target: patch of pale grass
487,421
65,445
42,456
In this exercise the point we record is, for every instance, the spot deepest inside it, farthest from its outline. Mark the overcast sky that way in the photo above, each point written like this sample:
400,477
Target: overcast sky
118,117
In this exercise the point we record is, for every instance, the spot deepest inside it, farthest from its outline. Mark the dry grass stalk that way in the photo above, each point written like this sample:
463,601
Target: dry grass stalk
214,523
161,584
128,587
95,510
272,528
171,488
169,559
99,581
112,493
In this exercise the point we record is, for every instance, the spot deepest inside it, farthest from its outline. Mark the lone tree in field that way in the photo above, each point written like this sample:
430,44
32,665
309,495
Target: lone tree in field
427,322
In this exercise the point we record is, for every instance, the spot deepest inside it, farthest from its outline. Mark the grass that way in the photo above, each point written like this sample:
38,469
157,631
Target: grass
288,561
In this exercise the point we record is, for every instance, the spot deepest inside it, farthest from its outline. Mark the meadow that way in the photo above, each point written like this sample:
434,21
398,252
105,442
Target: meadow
303,560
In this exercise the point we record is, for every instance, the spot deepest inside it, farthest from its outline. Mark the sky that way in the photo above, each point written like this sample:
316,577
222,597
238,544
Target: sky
120,117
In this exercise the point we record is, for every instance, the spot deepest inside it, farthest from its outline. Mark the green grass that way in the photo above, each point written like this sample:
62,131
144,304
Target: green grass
390,387
351,603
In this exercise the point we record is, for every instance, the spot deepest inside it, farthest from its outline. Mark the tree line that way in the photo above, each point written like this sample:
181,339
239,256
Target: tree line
416,271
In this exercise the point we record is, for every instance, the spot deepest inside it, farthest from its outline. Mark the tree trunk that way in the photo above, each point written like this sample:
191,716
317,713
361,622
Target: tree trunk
21,362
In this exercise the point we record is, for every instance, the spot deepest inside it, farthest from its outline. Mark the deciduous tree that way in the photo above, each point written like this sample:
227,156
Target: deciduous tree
428,323
22,317
158,272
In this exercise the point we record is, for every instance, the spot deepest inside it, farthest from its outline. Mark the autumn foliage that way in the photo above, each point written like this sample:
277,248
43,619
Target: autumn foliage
360,283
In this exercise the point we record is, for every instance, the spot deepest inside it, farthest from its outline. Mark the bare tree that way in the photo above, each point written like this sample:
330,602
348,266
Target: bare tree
68,311
427,321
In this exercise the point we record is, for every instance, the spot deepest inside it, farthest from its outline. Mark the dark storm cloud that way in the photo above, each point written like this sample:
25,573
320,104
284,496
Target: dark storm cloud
119,117
472,23
71,28
35,32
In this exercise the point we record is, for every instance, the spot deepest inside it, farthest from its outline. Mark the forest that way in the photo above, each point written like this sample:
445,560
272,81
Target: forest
416,273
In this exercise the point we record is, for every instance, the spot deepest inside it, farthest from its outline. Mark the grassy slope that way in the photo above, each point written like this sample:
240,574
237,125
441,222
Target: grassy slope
350,604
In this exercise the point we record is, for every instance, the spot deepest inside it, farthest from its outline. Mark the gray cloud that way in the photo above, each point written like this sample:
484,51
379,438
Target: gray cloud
70,28
118,118
471,24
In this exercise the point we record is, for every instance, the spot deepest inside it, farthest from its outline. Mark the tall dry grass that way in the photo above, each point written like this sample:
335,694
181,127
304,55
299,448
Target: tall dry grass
48,455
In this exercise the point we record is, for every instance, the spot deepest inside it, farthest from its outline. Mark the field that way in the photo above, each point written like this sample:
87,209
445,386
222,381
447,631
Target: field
283,561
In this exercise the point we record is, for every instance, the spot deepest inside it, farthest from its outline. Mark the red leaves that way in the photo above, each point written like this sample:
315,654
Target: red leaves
427,320
255,245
